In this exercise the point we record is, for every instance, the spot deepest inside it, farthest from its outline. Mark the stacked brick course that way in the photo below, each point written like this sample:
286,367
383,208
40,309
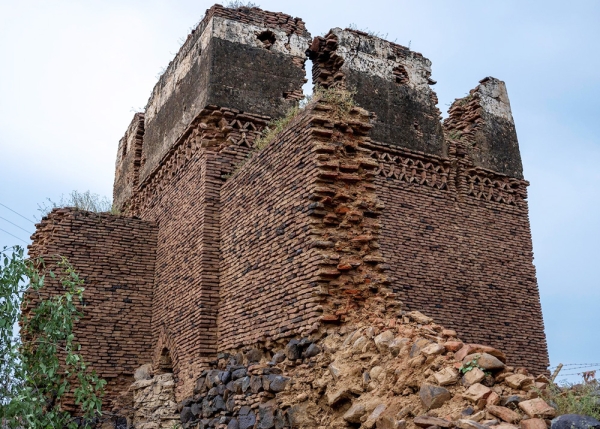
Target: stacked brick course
115,257
345,209
266,263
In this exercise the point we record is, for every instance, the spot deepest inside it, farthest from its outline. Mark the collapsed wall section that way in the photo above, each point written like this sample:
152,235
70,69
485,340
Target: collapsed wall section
115,257
243,58
389,80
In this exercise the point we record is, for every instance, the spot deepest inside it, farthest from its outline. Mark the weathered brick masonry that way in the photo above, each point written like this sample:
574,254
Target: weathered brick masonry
115,256
342,210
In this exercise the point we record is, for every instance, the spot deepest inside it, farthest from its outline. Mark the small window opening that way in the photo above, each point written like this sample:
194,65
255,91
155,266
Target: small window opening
165,364
268,38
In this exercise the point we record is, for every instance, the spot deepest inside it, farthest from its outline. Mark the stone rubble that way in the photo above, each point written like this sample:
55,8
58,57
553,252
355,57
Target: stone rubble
369,373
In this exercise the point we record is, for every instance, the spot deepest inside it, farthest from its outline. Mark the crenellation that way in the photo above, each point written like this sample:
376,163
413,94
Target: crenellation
203,74
483,122
389,80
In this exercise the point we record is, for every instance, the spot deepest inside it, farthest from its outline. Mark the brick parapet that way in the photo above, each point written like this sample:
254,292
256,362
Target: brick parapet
115,257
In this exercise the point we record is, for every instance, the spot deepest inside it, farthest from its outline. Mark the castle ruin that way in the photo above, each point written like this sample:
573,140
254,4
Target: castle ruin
220,246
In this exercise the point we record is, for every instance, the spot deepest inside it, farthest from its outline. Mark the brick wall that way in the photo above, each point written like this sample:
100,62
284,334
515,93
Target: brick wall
268,270
458,242
182,195
115,256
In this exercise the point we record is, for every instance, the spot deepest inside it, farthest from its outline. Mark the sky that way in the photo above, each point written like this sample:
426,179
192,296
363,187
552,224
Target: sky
72,74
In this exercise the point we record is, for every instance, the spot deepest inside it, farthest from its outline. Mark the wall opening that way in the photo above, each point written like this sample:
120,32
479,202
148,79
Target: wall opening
165,363
268,38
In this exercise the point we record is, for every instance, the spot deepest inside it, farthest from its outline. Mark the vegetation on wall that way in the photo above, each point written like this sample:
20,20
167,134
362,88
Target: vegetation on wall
86,201
41,366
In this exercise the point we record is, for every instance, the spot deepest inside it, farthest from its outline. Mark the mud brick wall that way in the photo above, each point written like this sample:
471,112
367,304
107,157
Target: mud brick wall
458,242
263,50
115,257
129,157
345,224
389,80
268,270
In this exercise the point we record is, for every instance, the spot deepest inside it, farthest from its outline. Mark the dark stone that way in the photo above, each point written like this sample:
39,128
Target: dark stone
212,378
468,411
312,350
255,383
279,419
237,387
511,401
272,370
293,350
254,356
266,416
200,386
245,383
575,421
186,415
278,383
266,382
246,418
121,423
196,409
238,373
233,424
225,376
207,409
219,404
278,357
212,393
230,403
185,403
230,386
433,396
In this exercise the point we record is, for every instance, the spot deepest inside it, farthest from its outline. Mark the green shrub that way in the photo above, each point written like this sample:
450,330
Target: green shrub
574,398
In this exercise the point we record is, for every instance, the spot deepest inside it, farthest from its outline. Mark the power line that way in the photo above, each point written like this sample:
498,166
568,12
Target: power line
27,219
14,236
12,223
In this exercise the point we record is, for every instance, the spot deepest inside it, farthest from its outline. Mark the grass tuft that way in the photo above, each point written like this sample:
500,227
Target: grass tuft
574,398
237,4
85,201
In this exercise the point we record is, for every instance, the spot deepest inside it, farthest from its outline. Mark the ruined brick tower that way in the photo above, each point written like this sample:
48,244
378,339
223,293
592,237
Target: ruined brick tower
220,246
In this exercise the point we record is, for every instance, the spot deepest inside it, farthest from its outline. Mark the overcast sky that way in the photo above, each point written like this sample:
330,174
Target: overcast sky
72,73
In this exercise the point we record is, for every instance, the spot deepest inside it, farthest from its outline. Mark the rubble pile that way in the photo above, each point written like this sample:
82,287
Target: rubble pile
399,373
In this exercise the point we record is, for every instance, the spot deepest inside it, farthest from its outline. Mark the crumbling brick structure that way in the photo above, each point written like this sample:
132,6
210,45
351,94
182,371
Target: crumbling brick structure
380,206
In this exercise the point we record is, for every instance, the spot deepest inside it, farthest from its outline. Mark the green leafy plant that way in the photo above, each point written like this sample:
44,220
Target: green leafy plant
42,366
86,201
574,398
469,366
